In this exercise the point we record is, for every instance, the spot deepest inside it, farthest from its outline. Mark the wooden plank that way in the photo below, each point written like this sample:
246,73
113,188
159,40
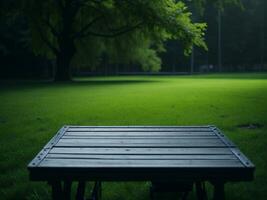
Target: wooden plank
129,152
143,151
143,157
186,145
242,157
136,129
141,142
138,126
223,138
140,133
91,163
138,137
143,134
41,155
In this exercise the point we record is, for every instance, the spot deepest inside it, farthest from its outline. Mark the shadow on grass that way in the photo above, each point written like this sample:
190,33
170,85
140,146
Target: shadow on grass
29,84
111,82
238,76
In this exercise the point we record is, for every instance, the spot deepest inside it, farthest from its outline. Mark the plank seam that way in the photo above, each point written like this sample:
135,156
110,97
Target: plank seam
222,137
241,157
44,152
245,161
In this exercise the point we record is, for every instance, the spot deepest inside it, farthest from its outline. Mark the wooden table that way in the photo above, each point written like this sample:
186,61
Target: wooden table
139,153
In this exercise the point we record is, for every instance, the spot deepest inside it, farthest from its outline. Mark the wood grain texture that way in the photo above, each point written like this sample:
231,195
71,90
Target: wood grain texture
142,151
148,151
92,163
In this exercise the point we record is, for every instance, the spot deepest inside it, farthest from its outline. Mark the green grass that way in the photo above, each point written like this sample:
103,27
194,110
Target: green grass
31,113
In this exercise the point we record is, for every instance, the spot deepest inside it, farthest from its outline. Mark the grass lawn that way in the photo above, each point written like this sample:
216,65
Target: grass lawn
31,113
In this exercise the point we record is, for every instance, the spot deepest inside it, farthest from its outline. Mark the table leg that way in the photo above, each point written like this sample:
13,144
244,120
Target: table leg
97,191
80,190
57,193
218,191
67,190
151,193
201,190
100,190
185,195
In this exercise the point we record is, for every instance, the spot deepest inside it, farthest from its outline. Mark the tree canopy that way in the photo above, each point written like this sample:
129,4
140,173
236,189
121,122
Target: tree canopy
90,33
80,32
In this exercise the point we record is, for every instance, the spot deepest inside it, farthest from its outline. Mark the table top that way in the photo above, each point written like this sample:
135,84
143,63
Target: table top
140,153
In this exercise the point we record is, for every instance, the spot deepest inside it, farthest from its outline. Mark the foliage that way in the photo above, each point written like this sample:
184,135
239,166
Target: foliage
244,39
109,33
14,35
219,4
92,23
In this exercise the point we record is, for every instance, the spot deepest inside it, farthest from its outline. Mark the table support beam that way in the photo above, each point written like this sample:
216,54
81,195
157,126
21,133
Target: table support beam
80,190
67,190
97,191
218,190
201,190
57,193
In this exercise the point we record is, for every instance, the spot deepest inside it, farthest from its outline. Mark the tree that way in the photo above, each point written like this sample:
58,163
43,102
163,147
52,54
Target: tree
200,5
60,28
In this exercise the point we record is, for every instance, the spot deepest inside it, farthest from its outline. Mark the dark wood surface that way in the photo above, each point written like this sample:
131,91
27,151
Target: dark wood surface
140,153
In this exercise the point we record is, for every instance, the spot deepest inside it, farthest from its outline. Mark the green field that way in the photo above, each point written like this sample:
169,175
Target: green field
31,113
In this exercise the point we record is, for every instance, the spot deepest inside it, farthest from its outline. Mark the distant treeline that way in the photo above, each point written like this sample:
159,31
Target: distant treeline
243,47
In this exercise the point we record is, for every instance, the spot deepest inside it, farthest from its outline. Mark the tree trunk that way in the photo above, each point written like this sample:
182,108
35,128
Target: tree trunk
66,44
63,72
192,61
219,40
64,57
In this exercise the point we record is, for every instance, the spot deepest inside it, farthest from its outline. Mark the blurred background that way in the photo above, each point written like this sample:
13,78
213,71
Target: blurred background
236,38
